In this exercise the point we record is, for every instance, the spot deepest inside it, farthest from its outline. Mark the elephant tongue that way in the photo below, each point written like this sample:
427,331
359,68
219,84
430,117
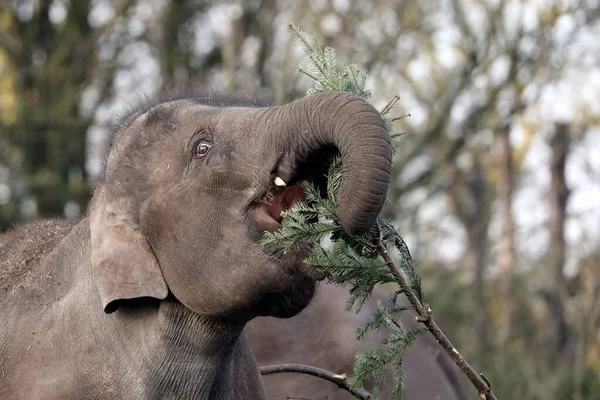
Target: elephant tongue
282,200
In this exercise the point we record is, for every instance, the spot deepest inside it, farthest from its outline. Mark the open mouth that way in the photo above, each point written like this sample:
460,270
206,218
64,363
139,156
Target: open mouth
268,214
266,211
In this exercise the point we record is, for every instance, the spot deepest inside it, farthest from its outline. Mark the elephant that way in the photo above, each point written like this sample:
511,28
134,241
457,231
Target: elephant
148,295
322,335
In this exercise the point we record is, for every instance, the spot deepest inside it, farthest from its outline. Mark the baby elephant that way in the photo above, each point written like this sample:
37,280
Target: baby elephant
148,296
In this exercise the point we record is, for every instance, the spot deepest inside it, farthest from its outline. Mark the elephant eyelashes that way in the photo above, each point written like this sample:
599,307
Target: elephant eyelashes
201,149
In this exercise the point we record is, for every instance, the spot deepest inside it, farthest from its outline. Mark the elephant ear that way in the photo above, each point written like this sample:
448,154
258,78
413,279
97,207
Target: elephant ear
123,263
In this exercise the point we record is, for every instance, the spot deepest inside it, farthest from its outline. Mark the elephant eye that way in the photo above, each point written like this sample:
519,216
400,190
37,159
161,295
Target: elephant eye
202,149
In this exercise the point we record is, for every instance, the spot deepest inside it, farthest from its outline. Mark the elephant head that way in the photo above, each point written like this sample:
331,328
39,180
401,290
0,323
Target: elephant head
192,183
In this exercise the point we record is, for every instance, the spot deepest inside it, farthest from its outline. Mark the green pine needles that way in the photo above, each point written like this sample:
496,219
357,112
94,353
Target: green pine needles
322,68
348,259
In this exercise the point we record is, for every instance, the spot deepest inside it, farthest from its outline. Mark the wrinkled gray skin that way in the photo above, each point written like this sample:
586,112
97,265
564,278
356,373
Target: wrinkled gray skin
322,335
148,296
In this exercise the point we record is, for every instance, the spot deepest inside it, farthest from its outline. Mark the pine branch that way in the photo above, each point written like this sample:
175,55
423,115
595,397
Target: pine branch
322,68
478,380
389,106
362,261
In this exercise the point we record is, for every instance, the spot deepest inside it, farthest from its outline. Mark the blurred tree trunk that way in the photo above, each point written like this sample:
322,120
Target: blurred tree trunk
175,56
555,295
470,201
506,244
231,54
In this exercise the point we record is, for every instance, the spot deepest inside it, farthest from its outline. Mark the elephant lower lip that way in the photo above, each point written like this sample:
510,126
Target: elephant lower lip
261,218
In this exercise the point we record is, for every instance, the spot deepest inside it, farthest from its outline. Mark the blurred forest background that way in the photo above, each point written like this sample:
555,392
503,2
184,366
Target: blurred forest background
497,184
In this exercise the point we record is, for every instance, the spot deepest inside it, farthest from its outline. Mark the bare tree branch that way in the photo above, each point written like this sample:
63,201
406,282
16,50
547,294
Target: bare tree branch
339,380
424,316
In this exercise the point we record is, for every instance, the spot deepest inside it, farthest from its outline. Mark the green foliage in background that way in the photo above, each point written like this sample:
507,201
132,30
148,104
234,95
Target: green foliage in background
45,65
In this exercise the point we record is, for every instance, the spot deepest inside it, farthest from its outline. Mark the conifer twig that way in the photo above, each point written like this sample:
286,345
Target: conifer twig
424,316
339,380
344,261
388,107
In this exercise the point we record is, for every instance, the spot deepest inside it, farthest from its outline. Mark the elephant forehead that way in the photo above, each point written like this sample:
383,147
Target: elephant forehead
186,118
180,115
248,127
165,116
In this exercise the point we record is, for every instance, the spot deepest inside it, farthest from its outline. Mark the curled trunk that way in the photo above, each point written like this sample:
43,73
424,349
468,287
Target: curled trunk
350,124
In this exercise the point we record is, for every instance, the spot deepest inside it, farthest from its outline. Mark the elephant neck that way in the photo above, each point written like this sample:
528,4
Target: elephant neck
191,356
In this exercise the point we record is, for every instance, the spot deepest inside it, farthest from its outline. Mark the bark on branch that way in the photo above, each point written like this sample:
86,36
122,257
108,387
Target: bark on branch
339,380
478,380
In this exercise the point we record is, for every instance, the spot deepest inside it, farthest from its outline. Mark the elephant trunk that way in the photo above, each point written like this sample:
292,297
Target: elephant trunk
355,128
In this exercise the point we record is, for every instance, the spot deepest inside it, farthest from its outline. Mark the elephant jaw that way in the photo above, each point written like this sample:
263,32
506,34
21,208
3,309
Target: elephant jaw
268,214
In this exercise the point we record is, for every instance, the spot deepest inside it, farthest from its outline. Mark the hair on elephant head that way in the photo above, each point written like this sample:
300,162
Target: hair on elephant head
192,183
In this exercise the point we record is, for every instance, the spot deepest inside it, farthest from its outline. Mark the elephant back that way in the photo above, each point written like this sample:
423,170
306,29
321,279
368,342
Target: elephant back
23,248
